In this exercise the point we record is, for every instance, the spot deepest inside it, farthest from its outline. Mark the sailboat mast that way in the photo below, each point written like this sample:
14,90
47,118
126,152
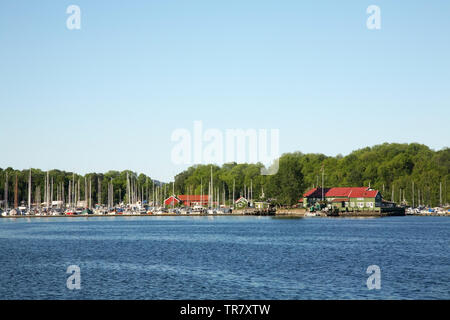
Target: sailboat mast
128,189
16,195
99,191
6,191
51,193
90,192
46,195
323,173
234,185
209,194
29,191
112,193
73,190
212,189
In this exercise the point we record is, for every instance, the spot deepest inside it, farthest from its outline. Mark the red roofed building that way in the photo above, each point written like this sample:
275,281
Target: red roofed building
187,200
354,198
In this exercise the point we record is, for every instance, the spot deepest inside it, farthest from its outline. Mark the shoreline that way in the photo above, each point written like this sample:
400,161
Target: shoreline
283,215
124,215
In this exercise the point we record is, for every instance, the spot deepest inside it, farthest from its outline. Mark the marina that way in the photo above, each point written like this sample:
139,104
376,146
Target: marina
316,202
149,212
211,190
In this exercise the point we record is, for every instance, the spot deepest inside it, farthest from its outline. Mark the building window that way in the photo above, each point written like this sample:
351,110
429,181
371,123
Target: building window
369,204
361,204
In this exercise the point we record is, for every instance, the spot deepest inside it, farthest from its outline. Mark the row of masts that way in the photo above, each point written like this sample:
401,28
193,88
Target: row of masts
418,200
72,197
214,194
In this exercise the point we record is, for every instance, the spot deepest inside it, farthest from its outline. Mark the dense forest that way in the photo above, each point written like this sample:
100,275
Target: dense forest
391,168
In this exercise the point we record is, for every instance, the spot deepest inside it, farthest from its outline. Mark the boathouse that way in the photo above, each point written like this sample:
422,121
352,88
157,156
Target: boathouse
344,198
241,203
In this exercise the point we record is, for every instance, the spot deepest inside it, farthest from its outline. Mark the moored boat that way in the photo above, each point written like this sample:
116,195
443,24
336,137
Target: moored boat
87,211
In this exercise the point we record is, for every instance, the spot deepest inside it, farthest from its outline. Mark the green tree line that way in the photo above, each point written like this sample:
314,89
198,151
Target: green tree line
391,168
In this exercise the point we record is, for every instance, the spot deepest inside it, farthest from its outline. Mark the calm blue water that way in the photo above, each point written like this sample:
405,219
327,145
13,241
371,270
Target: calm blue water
225,257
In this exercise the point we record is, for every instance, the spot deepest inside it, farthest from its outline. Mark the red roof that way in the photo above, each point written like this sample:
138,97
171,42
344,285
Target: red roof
309,192
171,200
187,199
349,192
240,199
193,198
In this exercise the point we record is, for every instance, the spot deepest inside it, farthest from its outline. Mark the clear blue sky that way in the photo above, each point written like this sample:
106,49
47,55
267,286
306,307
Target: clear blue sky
109,96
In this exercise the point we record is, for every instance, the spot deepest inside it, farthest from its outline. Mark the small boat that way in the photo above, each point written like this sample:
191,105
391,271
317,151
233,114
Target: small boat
99,212
87,211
